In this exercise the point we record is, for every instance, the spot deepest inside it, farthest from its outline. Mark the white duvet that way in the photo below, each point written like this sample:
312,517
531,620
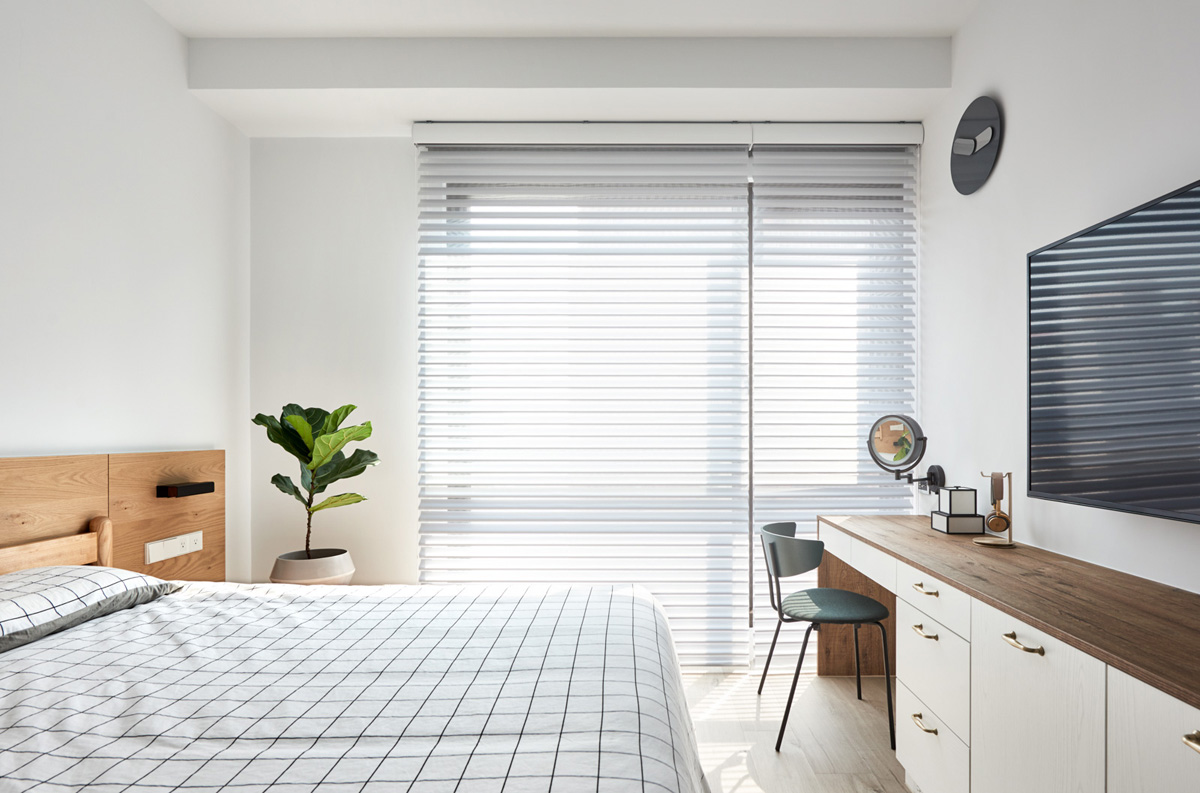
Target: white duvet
247,688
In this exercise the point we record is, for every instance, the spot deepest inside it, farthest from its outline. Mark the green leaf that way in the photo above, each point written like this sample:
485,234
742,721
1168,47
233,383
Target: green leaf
327,446
286,485
343,467
338,501
900,455
316,418
301,426
285,436
306,479
334,420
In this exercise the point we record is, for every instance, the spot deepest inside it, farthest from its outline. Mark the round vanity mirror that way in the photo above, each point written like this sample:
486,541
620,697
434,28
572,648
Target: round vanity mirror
896,443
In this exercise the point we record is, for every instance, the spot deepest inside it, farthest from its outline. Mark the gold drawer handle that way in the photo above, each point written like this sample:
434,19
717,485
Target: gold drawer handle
916,717
1011,638
920,587
1192,739
920,631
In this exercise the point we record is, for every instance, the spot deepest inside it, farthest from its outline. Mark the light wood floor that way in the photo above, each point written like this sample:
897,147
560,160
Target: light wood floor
834,743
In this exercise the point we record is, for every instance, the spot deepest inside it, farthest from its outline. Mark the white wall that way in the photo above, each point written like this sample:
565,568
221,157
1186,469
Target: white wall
334,306
1099,103
124,246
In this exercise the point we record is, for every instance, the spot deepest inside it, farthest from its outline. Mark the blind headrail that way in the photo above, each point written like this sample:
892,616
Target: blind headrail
433,133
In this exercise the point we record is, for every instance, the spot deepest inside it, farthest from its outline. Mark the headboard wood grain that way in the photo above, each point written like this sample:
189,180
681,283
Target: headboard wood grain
139,516
46,497
48,504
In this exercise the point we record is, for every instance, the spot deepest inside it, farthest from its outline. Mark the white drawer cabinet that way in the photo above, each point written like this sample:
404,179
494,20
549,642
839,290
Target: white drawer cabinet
938,762
1037,719
949,606
1146,751
935,664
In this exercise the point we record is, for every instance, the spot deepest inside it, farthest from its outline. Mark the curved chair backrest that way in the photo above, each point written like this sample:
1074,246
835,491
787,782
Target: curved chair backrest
787,555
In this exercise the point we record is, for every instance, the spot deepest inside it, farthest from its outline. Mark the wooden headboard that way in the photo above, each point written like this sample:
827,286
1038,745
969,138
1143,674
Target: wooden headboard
57,510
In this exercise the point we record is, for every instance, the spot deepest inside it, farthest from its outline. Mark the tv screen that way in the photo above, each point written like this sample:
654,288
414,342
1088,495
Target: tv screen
1114,362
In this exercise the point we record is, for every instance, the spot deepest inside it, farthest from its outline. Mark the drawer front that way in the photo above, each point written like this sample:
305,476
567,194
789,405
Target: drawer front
1037,719
949,606
938,763
873,563
866,559
837,542
938,671
1146,750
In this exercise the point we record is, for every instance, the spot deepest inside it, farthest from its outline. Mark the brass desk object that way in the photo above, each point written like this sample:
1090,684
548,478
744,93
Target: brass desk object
998,517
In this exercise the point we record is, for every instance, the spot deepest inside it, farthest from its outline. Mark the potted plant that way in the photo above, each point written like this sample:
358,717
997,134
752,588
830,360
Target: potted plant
317,439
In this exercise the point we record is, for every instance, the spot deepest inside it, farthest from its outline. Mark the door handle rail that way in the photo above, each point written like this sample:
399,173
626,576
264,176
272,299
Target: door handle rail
1192,740
919,629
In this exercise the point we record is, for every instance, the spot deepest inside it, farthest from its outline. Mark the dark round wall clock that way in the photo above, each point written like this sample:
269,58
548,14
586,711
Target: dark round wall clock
976,144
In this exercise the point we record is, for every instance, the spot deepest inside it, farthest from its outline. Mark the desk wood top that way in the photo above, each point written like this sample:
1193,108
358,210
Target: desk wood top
1146,629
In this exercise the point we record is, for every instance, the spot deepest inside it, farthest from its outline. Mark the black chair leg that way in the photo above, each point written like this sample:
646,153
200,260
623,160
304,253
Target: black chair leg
887,685
771,652
857,664
795,679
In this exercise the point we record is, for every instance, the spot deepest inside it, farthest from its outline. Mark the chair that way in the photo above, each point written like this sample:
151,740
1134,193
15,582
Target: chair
788,556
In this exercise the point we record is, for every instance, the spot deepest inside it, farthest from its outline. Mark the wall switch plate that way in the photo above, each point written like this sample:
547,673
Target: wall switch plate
171,547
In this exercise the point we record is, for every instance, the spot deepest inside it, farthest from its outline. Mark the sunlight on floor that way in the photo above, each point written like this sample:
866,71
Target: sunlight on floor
833,742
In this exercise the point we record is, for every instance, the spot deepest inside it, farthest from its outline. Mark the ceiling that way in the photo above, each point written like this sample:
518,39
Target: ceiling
518,18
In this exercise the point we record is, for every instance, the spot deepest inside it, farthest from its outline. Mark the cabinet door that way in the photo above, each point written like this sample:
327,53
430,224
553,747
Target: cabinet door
1146,750
1037,718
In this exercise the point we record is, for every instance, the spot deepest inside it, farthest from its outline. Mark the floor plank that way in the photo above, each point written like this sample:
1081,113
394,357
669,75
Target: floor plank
833,744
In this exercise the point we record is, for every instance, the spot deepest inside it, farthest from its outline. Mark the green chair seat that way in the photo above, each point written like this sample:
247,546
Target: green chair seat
837,606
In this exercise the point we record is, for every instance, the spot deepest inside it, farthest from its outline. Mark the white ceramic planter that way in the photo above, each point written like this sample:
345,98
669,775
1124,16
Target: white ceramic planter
327,566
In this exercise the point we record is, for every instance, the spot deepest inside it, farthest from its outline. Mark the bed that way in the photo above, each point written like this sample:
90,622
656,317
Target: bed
227,687
112,679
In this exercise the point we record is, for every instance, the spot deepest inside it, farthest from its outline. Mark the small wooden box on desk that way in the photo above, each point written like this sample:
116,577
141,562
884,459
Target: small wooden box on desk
1025,669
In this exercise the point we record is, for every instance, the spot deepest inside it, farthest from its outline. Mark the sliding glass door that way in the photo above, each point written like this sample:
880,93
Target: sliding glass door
588,370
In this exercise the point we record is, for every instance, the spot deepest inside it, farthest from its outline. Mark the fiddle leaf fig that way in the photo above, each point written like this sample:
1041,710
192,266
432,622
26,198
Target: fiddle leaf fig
316,438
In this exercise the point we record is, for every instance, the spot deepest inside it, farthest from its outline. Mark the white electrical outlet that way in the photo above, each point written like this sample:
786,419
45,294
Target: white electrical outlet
171,547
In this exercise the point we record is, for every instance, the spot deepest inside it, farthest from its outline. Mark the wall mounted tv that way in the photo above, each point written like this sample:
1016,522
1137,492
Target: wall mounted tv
1114,362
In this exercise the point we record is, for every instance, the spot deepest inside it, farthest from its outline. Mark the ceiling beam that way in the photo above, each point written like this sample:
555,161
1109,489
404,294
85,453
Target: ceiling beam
581,63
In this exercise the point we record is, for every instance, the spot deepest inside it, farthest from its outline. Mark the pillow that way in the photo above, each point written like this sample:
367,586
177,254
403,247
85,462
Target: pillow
44,600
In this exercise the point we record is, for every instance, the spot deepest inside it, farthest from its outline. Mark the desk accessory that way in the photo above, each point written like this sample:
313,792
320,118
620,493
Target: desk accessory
957,500
897,444
949,523
998,520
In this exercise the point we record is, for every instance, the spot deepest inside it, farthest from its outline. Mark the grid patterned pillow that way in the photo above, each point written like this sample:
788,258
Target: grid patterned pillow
44,600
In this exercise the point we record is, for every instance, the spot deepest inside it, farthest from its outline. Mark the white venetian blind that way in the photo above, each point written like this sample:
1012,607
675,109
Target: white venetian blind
583,375
835,322
586,363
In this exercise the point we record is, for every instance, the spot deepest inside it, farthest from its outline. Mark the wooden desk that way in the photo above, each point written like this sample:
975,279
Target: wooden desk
1148,630
1022,668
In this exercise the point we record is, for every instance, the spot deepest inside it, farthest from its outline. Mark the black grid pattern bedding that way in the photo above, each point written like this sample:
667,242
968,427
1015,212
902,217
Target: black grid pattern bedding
41,595
254,688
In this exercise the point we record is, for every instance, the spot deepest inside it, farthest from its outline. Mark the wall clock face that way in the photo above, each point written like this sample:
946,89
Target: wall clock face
976,144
